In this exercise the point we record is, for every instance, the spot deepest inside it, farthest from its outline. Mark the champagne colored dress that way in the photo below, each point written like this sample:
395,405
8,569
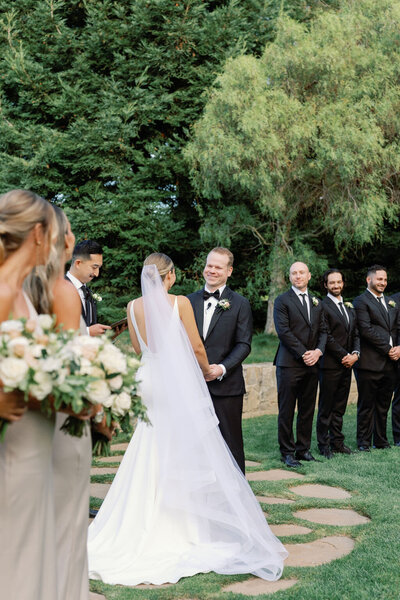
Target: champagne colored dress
27,533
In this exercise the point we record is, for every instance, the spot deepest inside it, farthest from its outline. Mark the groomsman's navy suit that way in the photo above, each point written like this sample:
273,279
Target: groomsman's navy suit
227,342
396,396
296,381
375,371
334,378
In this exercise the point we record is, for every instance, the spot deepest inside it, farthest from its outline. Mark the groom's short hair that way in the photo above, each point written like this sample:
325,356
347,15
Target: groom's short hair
374,268
228,253
84,249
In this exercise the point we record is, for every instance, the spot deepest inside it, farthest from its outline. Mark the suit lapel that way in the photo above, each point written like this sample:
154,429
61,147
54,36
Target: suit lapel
218,311
378,308
335,307
302,310
391,312
198,309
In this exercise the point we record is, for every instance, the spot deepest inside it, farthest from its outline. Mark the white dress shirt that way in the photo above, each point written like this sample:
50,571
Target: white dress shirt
336,300
209,308
307,298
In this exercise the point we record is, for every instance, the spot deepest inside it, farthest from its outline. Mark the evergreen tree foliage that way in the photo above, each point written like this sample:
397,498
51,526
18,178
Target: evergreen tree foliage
304,141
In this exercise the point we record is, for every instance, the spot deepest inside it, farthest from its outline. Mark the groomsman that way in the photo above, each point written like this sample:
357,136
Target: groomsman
225,324
378,324
341,353
87,261
300,325
396,395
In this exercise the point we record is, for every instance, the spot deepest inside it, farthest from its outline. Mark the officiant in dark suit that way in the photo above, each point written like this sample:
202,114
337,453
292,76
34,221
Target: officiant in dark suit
224,321
342,351
300,325
378,324
396,395
87,260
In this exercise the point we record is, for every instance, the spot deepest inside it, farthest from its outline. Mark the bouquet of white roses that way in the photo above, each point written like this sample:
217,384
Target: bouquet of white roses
28,360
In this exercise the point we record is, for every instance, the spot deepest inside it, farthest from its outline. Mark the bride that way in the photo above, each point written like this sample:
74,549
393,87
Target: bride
179,504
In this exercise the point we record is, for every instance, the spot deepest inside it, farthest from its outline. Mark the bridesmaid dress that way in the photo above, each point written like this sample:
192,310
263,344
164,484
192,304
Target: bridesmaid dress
72,459
27,532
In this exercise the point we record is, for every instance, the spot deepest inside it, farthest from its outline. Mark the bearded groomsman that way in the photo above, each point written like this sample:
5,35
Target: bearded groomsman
341,353
378,324
225,324
396,395
300,325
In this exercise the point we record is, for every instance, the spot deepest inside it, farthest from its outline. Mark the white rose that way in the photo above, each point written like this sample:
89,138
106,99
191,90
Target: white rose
36,350
13,371
98,391
11,326
133,362
18,346
93,371
121,404
42,387
62,373
112,359
87,346
45,322
116,383
109,402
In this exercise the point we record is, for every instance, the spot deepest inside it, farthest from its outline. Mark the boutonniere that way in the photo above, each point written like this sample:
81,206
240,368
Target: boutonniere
224,304
315,301
97,297
392,303
348,305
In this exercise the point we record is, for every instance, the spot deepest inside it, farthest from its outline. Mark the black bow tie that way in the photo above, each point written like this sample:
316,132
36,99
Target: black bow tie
207,295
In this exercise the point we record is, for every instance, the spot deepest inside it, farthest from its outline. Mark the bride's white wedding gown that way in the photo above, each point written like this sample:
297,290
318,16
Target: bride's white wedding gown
179,504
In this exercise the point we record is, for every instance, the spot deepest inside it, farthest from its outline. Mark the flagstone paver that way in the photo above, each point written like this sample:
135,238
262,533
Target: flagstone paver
318,552
257,586
111,459
103,470
99,490
119,447
332,516
289,529
273,475
274,500
151,586
316,490
93,596
252,463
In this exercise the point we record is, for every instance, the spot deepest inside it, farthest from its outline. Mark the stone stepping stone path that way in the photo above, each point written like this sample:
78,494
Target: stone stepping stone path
103,470
111,459
286,529
252,463
119,447
274,500
99,490
256,586
316,490
93,596
318,552
332,516
273,475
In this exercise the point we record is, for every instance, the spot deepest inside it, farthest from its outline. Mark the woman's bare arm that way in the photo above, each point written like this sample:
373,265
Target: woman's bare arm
189,322
67,305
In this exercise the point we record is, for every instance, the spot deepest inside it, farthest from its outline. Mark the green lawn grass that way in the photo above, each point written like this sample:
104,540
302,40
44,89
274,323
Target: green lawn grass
371,571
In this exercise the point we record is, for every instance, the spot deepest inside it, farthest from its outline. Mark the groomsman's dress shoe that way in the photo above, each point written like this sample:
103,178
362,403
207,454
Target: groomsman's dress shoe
290,461
326,452
384,447
93,512
364,448
342,450
397,443
304,456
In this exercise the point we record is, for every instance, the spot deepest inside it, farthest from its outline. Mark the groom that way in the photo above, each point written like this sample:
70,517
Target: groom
224,321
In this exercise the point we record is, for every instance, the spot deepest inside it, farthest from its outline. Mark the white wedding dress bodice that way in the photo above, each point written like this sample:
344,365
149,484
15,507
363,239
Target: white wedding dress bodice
179,504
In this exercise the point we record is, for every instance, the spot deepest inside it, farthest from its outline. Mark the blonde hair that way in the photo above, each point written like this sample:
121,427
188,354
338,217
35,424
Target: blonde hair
163,263
228,253
20,211
40,282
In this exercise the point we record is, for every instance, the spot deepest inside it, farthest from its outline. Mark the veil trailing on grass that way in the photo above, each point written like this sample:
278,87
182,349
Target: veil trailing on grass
179,504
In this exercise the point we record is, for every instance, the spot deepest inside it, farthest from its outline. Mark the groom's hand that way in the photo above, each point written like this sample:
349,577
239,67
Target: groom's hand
214,372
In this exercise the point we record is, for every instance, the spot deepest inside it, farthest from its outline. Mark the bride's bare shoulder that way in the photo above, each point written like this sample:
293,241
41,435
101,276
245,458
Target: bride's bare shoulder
184,303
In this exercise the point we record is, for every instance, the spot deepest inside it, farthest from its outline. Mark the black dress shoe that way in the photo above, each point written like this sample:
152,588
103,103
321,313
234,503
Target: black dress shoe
326,452
364,448
397,443
381,447
290,461
93,512
342,450
304,456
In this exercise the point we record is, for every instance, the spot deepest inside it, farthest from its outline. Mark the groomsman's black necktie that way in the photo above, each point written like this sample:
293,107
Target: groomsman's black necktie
207,295
341,308
88,305
383,308
304,303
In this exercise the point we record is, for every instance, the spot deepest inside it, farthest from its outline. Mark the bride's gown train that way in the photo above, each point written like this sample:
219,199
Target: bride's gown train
179,504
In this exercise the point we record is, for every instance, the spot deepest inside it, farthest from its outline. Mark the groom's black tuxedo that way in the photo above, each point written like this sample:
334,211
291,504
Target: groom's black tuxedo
375,372
228,342
92,318
295,380
334,378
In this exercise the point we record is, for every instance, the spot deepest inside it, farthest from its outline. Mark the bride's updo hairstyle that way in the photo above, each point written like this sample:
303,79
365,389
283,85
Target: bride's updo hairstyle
163,263
20,210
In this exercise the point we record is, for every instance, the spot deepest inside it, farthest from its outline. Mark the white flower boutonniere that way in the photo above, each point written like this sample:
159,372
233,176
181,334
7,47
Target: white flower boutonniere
315,301
224,304
392,303
348,305
97,297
